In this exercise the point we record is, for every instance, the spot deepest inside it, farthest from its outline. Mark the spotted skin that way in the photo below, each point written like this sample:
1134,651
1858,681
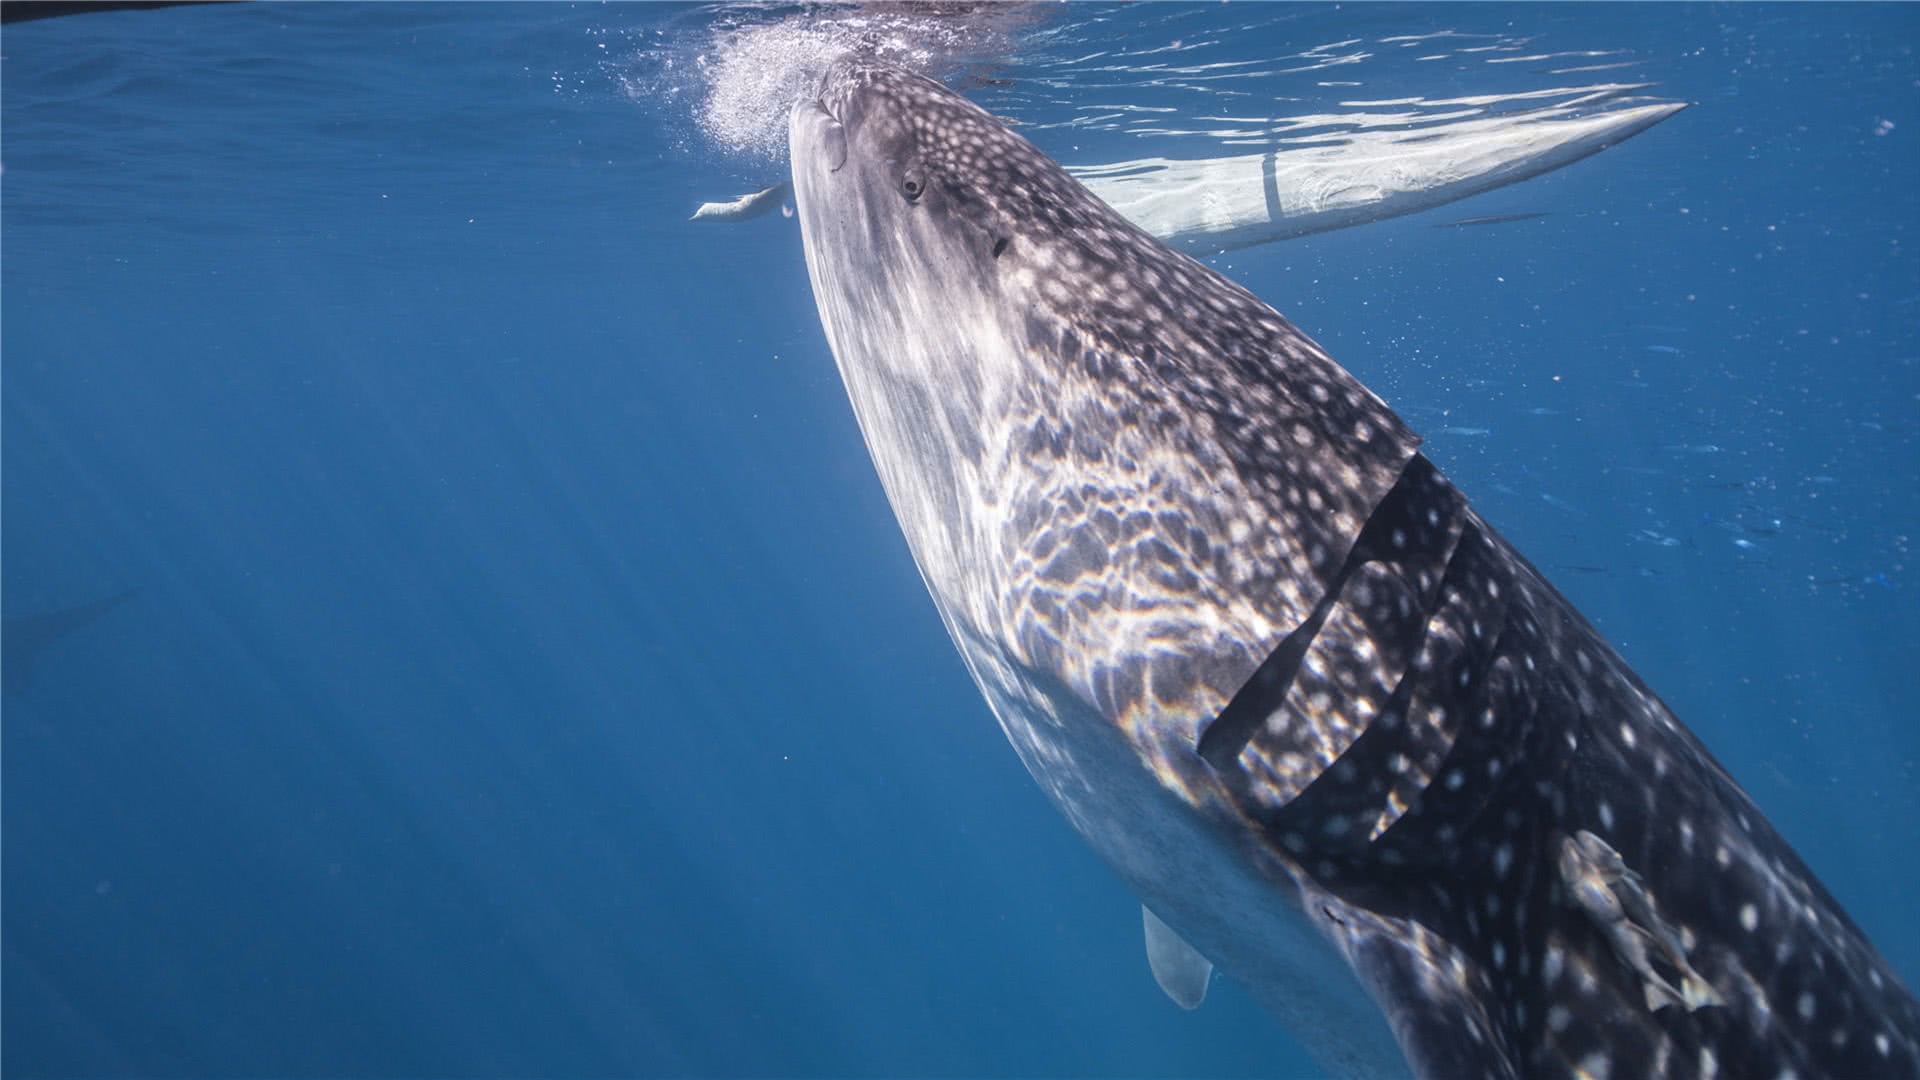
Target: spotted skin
1327,723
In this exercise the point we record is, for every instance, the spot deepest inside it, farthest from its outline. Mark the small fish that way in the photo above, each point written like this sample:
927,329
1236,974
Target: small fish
1670,349
1819,525
1471,432
1491,219
1881,580
1692,448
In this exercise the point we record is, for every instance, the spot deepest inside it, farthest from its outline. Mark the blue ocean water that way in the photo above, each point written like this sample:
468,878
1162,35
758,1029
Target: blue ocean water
522,673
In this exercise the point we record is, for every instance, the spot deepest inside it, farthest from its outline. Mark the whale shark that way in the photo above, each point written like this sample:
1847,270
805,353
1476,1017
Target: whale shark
24,638
1346,745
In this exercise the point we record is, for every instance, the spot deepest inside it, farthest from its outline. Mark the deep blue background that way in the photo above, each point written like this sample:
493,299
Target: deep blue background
526,675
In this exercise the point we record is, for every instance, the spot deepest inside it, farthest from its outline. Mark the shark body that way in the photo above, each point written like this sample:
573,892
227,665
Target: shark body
1343,741
24,638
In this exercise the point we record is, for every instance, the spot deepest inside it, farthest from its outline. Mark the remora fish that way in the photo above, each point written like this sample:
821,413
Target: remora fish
1342,740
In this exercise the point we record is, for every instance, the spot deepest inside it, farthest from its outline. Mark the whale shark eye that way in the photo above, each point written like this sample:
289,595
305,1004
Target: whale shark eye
913,183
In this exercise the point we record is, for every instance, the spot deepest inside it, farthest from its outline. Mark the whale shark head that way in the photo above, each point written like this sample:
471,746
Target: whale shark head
914,184
1014,347
904,173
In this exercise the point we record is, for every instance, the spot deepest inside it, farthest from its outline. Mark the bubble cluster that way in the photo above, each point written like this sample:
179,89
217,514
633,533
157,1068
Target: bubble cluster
746,74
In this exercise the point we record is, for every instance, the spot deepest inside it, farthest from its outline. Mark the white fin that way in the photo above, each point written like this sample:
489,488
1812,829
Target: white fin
744,207
1180,971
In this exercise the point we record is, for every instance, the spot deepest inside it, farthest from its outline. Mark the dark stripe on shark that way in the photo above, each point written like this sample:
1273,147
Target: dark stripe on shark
1401,793
1387,579
1498,812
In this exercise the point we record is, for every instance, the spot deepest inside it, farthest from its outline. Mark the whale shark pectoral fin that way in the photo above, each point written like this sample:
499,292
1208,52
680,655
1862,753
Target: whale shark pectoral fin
1445,1024
1179,969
